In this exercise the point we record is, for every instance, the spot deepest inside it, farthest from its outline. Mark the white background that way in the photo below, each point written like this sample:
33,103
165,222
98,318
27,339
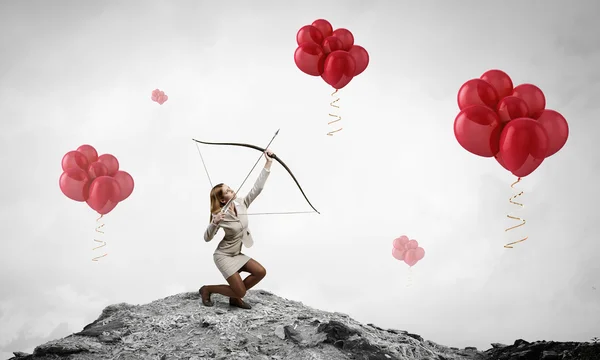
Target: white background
75,72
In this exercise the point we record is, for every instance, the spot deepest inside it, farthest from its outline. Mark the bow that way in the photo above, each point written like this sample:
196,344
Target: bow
272,156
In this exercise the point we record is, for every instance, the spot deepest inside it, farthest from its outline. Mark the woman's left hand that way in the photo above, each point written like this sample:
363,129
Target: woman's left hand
268,153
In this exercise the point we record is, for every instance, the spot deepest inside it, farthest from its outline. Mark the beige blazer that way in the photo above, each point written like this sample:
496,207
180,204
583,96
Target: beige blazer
236,227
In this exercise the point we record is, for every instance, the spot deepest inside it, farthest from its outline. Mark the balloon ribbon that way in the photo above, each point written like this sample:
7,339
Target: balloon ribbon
332,104
409,280
100,241
508,246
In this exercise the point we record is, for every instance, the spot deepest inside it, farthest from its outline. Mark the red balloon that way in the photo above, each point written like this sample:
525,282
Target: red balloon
339,69
324,26
125,183
104,194
477,92
346,36
89,152
533,96
97,169
75,184
111,163
331,44
523,142
528,167
310,59
512,107
557,128
361,58
477,129
309,34
74,160
500,81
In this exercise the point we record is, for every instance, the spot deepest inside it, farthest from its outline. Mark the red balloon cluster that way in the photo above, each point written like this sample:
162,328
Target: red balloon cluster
94,179
330,54
510,124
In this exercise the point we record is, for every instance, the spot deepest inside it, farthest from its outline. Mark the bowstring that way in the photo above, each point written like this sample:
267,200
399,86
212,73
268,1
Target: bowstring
204,164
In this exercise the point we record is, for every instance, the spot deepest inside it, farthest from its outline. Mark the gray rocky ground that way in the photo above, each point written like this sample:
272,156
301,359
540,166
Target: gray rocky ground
179,327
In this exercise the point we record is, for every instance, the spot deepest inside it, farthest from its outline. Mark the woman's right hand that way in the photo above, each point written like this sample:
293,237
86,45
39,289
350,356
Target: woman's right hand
217,218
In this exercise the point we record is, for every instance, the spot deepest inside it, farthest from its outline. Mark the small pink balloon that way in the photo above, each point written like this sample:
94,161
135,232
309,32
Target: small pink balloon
162,99
398,253
400,243
89,152
412,244
419,253
111,163
155,94
410,257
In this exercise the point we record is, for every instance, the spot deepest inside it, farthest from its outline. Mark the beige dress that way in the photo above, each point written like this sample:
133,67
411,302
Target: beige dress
228,256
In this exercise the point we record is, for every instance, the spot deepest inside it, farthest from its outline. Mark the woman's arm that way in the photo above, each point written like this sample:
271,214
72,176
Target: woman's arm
210,232
258,186
260,182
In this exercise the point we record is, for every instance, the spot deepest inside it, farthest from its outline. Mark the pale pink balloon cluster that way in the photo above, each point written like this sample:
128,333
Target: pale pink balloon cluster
407,250
159,96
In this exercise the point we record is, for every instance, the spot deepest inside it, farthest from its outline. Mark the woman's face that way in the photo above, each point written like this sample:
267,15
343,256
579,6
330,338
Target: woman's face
228,194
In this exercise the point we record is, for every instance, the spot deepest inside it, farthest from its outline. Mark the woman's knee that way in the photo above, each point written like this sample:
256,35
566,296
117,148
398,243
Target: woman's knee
261,272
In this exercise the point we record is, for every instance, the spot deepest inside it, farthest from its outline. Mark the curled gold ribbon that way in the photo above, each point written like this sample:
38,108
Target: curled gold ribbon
338,118
508,246
100,241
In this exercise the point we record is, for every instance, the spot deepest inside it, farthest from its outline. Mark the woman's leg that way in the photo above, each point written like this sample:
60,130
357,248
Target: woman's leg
257,273
235,289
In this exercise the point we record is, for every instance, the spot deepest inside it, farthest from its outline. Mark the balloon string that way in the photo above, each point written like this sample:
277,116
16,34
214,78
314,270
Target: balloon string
508,246
409,280
338,118
100,241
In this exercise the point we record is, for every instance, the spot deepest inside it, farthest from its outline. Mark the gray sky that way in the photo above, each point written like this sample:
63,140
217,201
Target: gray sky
78,72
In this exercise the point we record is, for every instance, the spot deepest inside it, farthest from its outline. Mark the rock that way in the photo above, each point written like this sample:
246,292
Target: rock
280,332
19,354
95,330
291,333
415,336
498,345
550,355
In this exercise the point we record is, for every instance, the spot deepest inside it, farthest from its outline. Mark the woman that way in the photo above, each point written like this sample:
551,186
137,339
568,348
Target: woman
228,257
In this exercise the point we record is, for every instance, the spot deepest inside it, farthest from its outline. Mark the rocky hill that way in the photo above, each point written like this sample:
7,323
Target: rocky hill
179,327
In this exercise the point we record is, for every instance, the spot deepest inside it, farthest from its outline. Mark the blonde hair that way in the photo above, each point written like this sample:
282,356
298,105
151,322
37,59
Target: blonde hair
216,194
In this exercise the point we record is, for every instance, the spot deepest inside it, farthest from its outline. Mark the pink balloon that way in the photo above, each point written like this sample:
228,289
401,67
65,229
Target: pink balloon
111,163
410,257
89,152
74,160
97,169
419,253
398,253
75,184
104,194
125,182
400,243
413,244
